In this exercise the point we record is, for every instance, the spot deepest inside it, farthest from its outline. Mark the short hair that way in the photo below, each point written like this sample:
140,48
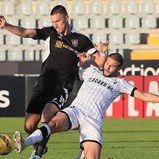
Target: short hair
116,57
59,9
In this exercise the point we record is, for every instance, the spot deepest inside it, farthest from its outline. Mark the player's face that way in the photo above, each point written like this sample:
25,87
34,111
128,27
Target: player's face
60,22
111,67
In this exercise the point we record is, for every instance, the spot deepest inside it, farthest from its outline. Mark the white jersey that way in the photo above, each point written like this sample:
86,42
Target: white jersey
98,92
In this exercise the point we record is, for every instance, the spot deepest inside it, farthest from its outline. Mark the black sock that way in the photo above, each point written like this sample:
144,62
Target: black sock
35,146
38,147
44,131
41,146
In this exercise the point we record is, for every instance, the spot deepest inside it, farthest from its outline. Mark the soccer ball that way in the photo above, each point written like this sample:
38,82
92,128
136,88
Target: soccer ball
6,144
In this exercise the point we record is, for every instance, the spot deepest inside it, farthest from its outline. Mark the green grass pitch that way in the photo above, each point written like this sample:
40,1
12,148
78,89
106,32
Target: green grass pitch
122,139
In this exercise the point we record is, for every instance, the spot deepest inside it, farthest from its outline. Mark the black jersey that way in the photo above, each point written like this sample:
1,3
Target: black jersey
59,60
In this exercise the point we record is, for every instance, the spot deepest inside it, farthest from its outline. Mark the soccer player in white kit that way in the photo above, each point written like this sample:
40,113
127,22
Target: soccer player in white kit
99,89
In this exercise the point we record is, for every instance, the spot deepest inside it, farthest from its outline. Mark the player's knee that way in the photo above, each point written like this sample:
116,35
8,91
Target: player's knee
54,124
48,113
31,122
29,129
46,116
50,108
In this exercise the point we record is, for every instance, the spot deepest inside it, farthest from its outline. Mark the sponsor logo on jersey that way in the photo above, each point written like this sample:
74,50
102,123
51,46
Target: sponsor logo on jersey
59,44
102,83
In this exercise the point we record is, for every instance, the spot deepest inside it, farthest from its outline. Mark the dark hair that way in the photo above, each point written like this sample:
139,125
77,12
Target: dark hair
117,57
59,9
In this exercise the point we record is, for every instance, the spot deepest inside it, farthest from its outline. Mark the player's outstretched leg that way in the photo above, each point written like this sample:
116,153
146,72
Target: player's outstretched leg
41,148
33,152
34,155
19,142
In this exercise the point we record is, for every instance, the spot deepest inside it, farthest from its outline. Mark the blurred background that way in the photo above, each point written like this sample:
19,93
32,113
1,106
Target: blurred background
131,26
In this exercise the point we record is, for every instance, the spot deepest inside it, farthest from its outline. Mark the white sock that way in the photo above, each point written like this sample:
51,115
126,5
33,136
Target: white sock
35,137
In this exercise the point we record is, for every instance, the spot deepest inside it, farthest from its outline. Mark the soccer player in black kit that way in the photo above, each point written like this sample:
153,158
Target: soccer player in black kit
59,68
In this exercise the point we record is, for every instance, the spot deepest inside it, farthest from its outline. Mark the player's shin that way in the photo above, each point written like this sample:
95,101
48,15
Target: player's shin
38,135
41,148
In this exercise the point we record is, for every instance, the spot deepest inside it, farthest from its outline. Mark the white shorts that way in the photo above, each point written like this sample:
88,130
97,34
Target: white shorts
89,129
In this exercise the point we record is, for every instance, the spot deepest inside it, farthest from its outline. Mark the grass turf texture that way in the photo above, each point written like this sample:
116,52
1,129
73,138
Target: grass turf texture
122,139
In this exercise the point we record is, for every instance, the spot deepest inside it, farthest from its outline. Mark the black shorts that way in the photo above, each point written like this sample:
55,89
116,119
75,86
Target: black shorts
40,98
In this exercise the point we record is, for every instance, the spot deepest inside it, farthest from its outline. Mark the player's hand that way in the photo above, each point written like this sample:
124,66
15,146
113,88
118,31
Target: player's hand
2,21
83,57
102,47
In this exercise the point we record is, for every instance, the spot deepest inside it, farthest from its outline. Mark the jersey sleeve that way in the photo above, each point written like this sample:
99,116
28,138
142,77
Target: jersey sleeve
89,47
127,88
44,33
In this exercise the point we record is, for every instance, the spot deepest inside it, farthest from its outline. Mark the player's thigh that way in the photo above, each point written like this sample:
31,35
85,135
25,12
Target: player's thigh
92,150
31,122
49,112
54,105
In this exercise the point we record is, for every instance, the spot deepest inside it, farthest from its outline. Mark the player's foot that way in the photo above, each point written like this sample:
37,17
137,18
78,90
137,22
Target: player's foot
36,157
45,150
19,142
33,153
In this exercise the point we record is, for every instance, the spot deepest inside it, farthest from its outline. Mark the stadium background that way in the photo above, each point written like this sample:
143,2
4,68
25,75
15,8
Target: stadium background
131,26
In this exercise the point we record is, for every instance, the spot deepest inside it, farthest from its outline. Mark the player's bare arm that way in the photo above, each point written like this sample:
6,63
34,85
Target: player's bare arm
147,97
100,56
83,57
19,31
102,47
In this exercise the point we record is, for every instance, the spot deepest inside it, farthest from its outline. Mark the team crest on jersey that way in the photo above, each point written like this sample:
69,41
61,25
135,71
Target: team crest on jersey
74,42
